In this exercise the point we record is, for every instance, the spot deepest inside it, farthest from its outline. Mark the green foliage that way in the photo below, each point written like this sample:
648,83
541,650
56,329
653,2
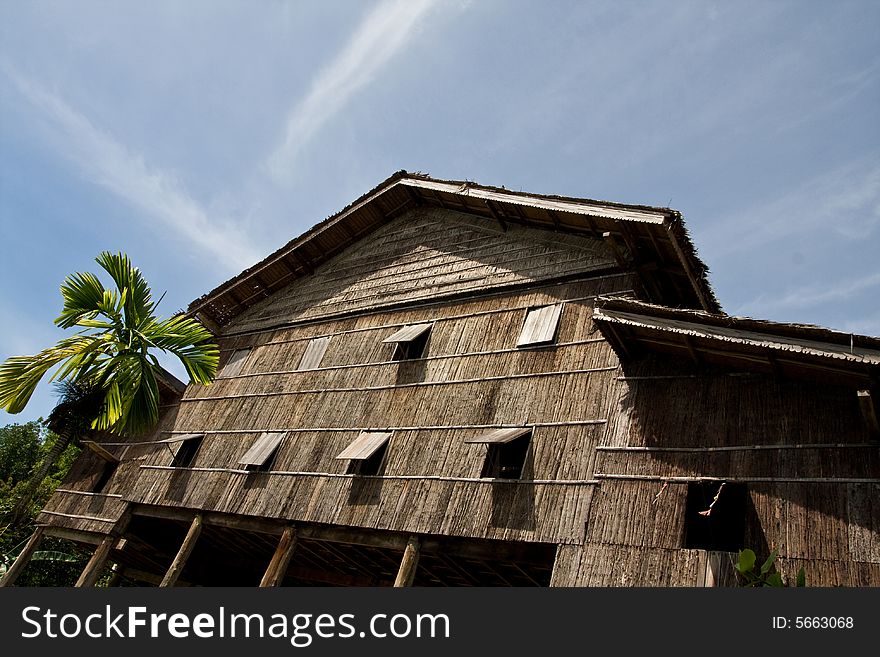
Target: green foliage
22,448
765,575
113,350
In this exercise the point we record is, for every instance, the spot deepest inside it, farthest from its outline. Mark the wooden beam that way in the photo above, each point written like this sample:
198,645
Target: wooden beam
274,574
95,566
692,351
408,563
149,578
611,241
100,451
207,322
627,351
868,405
330,577
23,558
496,215
219,519
704,302
189,542
74,535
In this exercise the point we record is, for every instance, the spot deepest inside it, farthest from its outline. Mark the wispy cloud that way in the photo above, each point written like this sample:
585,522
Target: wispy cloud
844,202
381,35
809,296
110,164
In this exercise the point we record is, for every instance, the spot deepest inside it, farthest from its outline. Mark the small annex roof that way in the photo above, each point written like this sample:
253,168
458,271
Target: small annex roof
796,350
651,241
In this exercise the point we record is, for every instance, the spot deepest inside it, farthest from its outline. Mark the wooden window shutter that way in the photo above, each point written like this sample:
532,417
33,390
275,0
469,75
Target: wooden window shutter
540,325
314,352
236,362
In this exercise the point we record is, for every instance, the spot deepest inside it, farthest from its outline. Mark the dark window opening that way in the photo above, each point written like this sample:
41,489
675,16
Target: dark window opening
186,453
413,349
266,466
410,341
715,516
261,456
372,465
107,472
506,460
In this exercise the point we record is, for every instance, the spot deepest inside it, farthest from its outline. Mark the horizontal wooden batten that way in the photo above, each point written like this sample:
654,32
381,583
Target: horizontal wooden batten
744,479
434,301
183,435
88,493
511,308
735,448
426,359
78,516
333,475
419,384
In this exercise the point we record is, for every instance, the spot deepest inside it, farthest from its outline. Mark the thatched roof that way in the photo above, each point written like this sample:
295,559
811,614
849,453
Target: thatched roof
798,350
650,240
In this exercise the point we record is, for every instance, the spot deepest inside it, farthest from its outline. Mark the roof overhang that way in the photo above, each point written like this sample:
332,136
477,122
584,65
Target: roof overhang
648,240
787,350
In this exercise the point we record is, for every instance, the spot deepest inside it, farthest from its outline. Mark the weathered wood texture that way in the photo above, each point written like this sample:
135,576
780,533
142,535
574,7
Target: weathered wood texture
426,253
605,436
800,449
596,564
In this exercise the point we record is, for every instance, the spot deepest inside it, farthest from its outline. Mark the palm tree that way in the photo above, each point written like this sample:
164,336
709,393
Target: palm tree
108,364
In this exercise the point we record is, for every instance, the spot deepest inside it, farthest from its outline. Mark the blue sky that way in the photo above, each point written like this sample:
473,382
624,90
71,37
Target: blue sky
200,136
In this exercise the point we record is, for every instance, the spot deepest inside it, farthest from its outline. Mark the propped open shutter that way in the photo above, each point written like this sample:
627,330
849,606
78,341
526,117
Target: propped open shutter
500,436
409,333
540,325
236,362
365,445
263,448
314,353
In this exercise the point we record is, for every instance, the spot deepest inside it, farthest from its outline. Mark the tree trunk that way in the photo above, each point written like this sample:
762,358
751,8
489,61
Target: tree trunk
20,510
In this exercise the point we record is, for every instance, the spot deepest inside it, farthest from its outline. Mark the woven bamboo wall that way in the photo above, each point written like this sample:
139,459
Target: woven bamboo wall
471,379
604,438
801,449
426,253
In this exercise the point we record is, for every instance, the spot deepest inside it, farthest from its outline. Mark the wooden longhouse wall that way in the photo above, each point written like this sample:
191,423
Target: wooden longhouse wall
618,432
472,378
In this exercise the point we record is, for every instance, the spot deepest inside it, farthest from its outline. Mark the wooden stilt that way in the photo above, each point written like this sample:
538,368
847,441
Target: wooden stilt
95,566
408,564
23,558
183,553
277,568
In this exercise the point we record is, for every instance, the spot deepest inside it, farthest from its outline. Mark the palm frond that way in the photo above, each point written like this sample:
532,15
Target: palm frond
19,375
191,342
138,304
83,295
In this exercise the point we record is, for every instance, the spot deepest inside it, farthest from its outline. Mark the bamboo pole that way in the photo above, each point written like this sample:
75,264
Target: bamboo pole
23,558
277,568
95,566
183,553
407,572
